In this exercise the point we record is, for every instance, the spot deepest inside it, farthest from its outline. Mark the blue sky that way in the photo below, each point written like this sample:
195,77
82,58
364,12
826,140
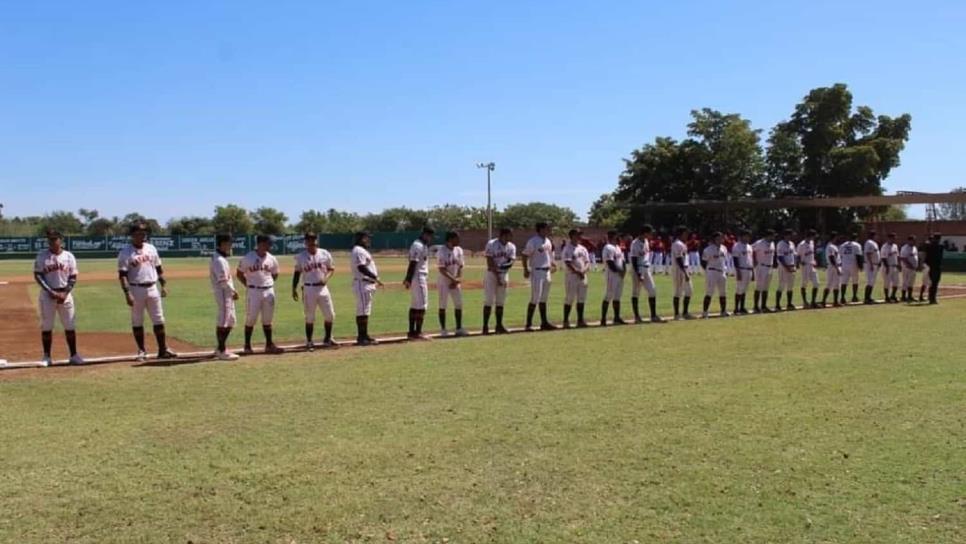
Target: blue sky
170,108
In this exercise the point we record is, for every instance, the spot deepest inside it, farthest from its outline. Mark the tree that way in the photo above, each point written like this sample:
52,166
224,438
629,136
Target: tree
190,225
102,226
124,225
342,222
269,221
525,216
454,217
62,221
894,213
953,211
607,212
231,219
395,220
311,221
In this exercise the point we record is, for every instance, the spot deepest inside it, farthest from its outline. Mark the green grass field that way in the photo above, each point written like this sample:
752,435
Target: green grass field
837,426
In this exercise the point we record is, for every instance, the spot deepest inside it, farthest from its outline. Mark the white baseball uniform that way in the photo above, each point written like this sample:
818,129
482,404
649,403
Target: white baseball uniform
806,257
764,252
786,256
452,261
259,275
363,286
890,257
872,259
223,288
910,253
833,277
575,285
641,250
680,278
139,265
313,268
539,252
615,280
741,252
850,262
419,289
56,268
503,256
715,279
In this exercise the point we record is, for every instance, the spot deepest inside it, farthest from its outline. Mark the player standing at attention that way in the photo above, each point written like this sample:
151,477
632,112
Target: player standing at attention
657,252
642,264
680,276
365,279
314,267
763,255
890,268
223,288
870,251
806,258
55,270
417,281
538,266
257,271
449,259
909,259
833,272
140,273
576,261
785,251
694,254
500,253
851,265
715,280
613,258
744,270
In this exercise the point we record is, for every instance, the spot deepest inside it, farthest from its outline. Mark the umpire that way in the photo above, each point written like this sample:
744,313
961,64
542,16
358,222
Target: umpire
934,259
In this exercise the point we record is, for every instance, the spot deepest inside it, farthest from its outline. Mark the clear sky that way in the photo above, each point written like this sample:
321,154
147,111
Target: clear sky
169,108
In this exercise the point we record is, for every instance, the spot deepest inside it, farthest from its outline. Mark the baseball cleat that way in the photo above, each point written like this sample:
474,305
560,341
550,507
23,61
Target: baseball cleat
705,315
620,321
486,331
689,317
639,320
330,344
309,346
566,324
442,334
46,361
657,319
225,356
678,317
462,332
272,349
248,351
724,314
75,359
548,327
502,330
167,354
582,325
142,355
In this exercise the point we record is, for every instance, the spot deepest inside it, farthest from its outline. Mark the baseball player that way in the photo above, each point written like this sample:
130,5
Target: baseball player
223,288
55,270
576,261
833,272
694,254
851,266
365,279
806,259
657,252
613,258
744,270
890,268
763,257
500,253
785,252
926,282
538,267
449,260
258,271
909,259
873,259
314,266
715,279
140,273
680,277
417,281
642,265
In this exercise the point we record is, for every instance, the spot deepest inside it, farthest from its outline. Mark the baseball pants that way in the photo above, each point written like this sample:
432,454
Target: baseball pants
850,275
908,278
494,294
809,276
317,297
833,279
657,260
786,279
259,303
539,286
419,293
715,282
682,283
644,279
614,287
742,282
890,277
763,278
870,273
363,291
50,310
446,293
226,309
146,298
575,289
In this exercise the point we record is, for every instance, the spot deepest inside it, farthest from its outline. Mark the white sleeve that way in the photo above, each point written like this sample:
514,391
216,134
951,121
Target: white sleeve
274,265
121,262
73,266
357,259
38,264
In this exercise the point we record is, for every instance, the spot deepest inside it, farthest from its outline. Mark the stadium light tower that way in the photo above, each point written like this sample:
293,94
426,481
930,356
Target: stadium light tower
490,167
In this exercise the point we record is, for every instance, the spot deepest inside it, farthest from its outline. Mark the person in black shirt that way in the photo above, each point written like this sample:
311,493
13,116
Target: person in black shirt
934,259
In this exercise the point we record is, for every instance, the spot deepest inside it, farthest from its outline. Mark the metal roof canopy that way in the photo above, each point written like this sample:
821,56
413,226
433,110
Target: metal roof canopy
804,202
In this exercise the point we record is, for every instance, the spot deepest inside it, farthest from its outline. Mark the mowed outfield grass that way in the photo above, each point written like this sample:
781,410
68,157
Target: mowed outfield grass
843,426
189,310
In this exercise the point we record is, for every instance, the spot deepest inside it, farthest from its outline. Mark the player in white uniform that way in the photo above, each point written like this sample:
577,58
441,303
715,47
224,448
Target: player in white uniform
500,253
785,257
833,271
449,283
872,261
713,260
642,265
223,289
680,276
805,252
417,281
314,267
576,260
258,271
851,266
909,262
763,257
538,266
365,279
744,270
615,270
140,273
890,268
55,270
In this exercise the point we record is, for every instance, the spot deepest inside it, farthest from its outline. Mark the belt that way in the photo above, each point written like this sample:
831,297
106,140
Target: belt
544,269
765,265
260,286
645,266
59,289
744,268
313,284
151,284
715,269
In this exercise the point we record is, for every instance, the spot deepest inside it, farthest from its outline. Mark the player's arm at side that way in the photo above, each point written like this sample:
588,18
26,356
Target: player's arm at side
295,284
241,275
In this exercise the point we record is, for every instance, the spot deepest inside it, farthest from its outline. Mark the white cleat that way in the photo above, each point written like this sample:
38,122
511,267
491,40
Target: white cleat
46,361
462,332
724,314
444,333
142,355
225,356
704,315
689,317
76,359
678,317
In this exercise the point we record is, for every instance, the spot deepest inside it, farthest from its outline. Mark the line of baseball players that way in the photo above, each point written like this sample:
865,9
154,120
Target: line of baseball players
142,281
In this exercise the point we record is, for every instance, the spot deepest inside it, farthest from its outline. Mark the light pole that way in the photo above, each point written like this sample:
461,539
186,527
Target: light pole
490,166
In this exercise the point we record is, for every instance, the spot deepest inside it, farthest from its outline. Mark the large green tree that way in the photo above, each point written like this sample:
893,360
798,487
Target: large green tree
190,225
607,212
268,220
232,219
62,221
953,211
526,215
